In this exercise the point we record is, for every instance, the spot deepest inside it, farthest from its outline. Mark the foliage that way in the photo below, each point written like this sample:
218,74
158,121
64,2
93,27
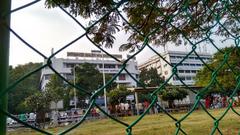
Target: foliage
144,97
150,77
175,19
89,77
55,88
67,97
40,100
118,95
173,93
226,77
26,88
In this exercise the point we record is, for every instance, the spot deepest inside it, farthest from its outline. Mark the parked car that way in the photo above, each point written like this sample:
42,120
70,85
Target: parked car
10,121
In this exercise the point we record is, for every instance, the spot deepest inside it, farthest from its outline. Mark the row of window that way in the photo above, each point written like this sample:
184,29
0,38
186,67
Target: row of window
183,78
188,64
191,57
71,65
184,71
187,71
70,77
108,66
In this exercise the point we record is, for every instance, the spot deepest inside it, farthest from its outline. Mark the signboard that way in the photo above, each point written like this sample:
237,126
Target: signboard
130,97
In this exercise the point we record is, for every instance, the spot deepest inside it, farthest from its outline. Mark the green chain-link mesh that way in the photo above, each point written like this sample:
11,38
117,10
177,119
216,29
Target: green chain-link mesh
154,94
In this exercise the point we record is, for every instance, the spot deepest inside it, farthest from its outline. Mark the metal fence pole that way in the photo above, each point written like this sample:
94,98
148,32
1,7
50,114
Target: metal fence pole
5,7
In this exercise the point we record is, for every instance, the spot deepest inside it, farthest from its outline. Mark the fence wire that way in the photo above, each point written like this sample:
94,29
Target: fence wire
183,11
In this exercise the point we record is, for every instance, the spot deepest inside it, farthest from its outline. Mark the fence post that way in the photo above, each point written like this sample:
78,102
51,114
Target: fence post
5,7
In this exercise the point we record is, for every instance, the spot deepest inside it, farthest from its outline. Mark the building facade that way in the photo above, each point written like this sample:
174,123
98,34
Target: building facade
103,63
186,69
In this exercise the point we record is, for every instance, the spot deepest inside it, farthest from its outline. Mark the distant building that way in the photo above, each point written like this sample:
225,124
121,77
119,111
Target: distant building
64,66
186,70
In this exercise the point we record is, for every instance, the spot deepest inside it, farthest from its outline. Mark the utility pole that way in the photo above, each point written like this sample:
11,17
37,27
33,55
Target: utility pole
104,79
74,82
104,82
5,7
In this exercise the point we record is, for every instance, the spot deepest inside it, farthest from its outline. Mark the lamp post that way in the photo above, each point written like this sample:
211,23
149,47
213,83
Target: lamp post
104,79
104,82
74,82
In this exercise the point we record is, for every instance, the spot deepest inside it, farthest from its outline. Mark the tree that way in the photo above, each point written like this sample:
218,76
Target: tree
55,89
89,77
226,77
175,19
173,93
150,77
25,88
39,102
117,96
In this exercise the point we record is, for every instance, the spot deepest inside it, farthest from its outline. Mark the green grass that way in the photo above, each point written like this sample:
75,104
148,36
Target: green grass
198,123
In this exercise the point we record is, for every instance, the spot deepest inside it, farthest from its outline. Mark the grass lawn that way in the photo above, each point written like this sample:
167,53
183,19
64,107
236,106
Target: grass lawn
198,123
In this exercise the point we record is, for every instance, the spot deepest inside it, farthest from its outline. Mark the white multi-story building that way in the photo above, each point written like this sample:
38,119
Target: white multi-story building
186,69
103,62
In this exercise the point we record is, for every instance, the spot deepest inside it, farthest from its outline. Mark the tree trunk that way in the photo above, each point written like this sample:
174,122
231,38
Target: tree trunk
171,104
55,116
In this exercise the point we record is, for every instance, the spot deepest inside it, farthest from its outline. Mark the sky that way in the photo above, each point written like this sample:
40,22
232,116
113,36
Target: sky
46,28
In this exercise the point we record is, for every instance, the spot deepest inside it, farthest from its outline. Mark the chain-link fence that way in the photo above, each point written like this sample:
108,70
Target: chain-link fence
216,12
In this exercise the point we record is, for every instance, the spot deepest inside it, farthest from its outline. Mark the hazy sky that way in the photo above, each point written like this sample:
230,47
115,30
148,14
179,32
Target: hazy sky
51,28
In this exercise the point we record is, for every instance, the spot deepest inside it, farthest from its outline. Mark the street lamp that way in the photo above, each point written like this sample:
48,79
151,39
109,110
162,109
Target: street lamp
104,82
74,82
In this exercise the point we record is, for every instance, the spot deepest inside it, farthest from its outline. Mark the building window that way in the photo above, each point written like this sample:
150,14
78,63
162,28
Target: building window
179,57
182,78
174,64
136,67
137,76
47,77
165,65
192,64
109,66
68,65
122,77
188,78
119,66
180,71
187,71
193,71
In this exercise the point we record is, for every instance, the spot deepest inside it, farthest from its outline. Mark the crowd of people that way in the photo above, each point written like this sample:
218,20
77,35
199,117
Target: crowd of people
217,101
128,109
